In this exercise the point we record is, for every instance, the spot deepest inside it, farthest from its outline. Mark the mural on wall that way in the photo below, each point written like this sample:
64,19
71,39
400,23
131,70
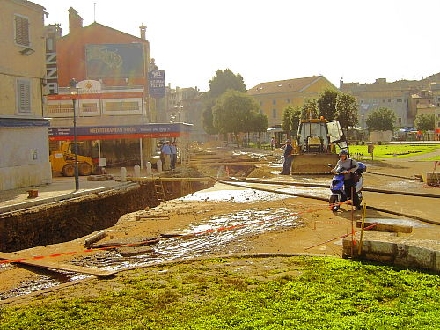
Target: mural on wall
114,60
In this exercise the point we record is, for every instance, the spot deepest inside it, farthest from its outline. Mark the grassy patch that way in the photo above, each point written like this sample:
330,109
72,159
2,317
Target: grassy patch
242,293
396,150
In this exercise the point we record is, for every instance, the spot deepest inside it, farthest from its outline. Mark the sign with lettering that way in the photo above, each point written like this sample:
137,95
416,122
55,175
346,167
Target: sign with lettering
157,83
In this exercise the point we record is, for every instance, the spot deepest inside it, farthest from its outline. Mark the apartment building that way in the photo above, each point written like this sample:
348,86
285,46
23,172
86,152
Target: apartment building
23,130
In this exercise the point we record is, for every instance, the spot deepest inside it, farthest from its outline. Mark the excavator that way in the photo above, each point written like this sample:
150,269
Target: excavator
63,161
315,146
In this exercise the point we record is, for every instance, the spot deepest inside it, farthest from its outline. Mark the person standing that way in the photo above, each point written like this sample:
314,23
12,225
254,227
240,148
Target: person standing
173,155
166,151
272,143
287,154
350,166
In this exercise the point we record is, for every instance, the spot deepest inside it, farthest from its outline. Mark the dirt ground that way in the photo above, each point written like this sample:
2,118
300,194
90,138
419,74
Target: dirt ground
320,231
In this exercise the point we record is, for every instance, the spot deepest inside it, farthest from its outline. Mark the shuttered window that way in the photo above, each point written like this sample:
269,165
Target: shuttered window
22,31
23,96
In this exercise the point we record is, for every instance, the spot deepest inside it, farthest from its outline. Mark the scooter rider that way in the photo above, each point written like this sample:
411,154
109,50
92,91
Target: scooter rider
350,166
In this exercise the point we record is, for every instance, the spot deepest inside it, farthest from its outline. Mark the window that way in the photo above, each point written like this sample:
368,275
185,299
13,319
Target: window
274,113
399,100
274,102
288,101
22,31
23,96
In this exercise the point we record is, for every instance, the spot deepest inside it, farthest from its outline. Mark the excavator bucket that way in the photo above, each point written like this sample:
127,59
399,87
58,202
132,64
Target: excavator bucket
313,163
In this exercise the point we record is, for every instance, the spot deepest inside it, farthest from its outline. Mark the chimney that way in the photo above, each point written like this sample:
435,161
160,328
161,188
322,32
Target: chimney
143,29
75,21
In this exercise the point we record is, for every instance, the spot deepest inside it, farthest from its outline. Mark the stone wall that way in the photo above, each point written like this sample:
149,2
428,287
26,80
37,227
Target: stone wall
69,219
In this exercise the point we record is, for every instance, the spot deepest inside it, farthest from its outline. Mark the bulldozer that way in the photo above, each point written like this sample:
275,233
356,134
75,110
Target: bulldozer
63,161
315,146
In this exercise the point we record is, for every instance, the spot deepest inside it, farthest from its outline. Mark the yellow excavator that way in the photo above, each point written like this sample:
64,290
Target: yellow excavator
63,161
315,146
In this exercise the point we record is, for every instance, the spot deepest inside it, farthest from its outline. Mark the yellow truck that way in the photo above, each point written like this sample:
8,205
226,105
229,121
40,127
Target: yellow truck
63,161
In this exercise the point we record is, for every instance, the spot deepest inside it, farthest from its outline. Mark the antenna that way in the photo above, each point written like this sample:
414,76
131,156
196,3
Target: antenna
94,12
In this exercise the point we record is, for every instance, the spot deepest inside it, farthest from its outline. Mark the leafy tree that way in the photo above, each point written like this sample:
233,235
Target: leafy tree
233,112
309,109
207,123
424,122
381,119
290,120
225,80
257,123
327,104
346,110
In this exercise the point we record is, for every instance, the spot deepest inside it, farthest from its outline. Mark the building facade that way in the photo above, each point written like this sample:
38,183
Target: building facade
23,130
111,98
275,96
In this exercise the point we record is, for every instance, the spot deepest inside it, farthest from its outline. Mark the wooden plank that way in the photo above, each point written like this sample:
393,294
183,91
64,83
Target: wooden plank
47,264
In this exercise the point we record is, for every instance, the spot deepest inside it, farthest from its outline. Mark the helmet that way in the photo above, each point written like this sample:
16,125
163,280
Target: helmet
343,152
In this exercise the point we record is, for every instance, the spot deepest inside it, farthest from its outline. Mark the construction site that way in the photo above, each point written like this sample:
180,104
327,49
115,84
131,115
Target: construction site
225,201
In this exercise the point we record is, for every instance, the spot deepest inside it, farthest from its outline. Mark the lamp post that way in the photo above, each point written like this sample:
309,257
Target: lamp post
74,93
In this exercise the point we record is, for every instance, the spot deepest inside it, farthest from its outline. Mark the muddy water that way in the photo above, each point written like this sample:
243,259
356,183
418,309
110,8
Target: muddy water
229,230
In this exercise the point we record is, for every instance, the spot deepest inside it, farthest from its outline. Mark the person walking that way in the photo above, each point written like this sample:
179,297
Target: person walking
350,166
272,143
287,154
173,155
166,151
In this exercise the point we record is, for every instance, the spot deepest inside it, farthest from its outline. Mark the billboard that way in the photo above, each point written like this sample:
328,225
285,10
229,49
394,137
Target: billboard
157,83
114,60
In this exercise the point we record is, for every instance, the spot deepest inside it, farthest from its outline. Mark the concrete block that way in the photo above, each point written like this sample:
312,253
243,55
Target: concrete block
383,248
437,262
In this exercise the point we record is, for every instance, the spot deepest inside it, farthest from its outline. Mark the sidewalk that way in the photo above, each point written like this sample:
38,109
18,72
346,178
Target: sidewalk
61,188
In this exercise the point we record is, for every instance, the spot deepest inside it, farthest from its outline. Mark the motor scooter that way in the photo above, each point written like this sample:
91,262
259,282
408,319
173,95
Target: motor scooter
337,187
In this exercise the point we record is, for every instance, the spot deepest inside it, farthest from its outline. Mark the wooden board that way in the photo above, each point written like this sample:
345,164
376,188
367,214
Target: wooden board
47,264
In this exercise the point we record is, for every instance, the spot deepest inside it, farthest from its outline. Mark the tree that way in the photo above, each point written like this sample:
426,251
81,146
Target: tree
233,112
425,122
258,123
346,110
225,80
381,119
327,104
207,121
309,109
290,120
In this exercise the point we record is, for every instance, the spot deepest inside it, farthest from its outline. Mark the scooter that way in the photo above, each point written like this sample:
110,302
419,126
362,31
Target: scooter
337,187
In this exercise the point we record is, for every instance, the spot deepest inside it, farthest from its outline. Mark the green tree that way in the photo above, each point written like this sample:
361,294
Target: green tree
327,104
224,80
381,119
290,121
425,122
207,121
346,110
233,112
309,109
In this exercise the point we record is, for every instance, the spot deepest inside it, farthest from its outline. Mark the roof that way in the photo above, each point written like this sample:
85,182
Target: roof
289,85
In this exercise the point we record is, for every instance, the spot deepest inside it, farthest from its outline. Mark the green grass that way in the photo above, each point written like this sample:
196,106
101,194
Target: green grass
396,150
260,293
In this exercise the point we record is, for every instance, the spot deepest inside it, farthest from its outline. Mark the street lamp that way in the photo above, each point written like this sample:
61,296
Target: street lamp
74,93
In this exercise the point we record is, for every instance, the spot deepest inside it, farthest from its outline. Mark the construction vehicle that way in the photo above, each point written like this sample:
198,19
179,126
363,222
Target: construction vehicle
315,146
63,161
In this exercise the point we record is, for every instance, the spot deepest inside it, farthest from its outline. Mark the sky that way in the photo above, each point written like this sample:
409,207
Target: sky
263,41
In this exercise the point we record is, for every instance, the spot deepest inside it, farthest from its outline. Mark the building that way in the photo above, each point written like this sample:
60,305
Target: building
401,96
113,100
275,96
23,130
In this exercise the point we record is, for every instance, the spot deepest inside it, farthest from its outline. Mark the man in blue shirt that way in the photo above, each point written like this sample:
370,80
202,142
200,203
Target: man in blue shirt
166,151
287,158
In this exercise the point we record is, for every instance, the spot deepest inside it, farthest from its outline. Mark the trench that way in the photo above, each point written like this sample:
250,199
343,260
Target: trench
228,230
